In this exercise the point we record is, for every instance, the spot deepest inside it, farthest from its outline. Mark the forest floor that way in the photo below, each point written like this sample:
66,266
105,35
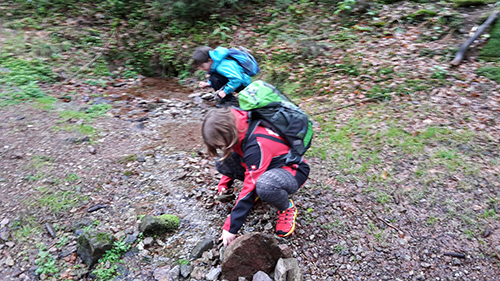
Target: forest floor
405,187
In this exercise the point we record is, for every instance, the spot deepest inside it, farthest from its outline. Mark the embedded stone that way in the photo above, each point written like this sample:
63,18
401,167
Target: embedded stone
151,226
93,245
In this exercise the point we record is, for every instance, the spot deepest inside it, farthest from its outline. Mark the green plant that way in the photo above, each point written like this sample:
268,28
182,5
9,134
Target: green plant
446,154
62,242
183,261
24,231
431,220
94,111
86,130
46,263
373,230
58,201
129,158
439,72
383,198
72,177
345,6
488,213
222,31
45,103
469,233
40,160
111,258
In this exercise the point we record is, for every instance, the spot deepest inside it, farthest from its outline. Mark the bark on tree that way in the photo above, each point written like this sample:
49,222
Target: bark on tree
460,54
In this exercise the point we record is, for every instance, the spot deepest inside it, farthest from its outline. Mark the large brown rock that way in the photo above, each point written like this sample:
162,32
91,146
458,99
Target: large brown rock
249,254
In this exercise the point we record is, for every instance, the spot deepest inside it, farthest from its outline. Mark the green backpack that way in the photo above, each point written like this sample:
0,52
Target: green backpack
269,107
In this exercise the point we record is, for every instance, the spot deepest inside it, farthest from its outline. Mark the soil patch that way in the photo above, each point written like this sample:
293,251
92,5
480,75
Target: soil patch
152,88
185,136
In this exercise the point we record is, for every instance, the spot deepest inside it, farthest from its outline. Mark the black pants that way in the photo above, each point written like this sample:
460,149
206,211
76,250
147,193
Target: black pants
218,81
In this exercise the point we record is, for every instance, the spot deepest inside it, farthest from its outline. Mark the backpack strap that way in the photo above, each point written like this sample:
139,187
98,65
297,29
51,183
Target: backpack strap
253,124
289,158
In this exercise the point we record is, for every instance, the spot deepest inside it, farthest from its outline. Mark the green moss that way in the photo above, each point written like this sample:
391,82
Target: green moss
492,73
421,14
172,222
467,3
491,51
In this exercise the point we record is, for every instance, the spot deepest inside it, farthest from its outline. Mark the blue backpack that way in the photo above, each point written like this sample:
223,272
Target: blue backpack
245,60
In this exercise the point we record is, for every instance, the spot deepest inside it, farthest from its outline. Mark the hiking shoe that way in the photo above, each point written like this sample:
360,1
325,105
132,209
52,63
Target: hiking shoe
286,221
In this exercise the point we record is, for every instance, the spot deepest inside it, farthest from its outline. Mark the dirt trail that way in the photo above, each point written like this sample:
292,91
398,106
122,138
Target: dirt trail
149,164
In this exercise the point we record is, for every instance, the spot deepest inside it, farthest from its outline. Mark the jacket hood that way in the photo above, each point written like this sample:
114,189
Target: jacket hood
217,56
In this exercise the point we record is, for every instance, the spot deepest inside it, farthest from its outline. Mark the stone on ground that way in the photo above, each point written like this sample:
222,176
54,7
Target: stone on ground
151,226
93,245
261,276
248,254
202,246
161,273
287,270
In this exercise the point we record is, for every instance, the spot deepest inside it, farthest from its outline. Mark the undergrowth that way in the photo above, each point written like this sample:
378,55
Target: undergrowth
106,268
19,79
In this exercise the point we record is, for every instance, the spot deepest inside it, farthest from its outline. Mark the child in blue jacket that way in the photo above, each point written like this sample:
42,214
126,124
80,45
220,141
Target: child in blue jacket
225,73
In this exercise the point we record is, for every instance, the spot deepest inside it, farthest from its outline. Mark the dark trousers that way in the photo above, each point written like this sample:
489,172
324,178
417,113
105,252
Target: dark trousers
272,187
218,81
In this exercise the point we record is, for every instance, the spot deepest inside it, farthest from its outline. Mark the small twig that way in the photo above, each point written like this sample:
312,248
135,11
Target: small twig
387,223
456,255
378,219
460,54
447,37
391,226
422,24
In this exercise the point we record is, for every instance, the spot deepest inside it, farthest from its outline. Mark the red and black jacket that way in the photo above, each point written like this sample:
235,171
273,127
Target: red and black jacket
262,150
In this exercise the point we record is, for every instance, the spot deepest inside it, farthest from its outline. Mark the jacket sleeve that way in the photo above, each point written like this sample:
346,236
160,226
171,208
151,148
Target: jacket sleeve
257,161
234,73
224,180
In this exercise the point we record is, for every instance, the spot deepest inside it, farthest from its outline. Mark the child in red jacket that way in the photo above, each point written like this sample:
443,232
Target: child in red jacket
259,161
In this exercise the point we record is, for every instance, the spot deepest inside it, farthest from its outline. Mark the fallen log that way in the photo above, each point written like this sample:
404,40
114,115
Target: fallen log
460,54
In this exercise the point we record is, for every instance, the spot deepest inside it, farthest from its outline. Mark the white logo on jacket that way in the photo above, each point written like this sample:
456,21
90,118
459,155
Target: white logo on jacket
271,132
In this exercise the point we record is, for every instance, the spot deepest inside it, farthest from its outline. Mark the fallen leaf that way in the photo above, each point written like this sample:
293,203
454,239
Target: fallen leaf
70,258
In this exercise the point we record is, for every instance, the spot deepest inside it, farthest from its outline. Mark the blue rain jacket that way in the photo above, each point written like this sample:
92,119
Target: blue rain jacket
228,68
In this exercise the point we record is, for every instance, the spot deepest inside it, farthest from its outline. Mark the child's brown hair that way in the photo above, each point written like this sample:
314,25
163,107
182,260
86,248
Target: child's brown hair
201,55
220,131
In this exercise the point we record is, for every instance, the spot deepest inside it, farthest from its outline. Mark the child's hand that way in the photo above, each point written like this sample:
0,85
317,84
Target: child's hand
222,94
222,190
204,84
227,237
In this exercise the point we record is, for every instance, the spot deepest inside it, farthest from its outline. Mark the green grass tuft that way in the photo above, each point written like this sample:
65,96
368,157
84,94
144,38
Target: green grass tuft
492,73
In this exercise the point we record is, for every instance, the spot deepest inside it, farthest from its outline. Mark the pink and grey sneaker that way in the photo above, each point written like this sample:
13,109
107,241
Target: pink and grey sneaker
286,221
